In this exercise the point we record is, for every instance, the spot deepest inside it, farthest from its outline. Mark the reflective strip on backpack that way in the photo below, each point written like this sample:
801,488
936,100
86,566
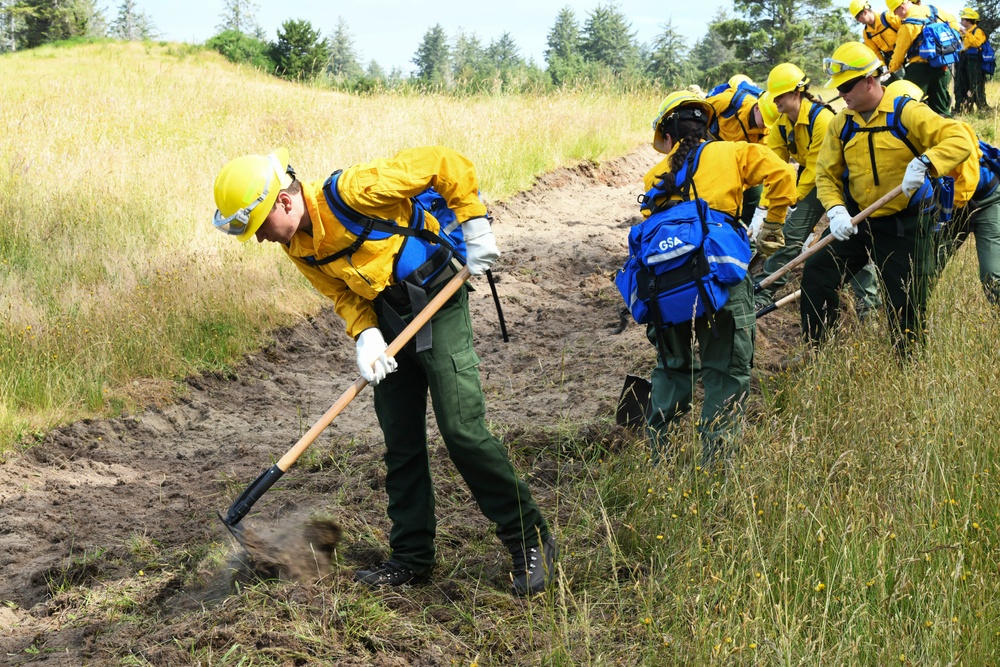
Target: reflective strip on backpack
676,252
726,259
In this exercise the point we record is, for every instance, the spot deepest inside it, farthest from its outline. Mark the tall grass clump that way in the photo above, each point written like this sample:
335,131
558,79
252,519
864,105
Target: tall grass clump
856,525
112,279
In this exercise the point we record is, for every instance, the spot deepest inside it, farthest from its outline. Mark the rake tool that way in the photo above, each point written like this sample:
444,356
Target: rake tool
827,240
266,480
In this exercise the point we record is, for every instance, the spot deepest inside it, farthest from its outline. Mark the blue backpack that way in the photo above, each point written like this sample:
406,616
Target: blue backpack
424,254
989,61
735,104
936,196
683,257
939,43
989,170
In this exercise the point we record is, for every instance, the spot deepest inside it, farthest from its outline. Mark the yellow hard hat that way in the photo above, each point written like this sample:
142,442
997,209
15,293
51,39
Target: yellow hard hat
785,78
245,191
850,61
736,79
893,5
903,87
768,111
858,6
694,108
969,13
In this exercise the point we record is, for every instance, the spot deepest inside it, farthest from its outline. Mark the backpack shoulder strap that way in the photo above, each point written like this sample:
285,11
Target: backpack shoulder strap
885,22
895,123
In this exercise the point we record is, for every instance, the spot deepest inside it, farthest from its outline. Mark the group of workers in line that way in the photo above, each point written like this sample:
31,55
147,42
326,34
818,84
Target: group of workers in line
846,162
893,37
370,239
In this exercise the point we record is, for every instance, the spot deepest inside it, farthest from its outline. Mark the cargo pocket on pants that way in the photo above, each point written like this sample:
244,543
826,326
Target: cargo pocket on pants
471,403
745,329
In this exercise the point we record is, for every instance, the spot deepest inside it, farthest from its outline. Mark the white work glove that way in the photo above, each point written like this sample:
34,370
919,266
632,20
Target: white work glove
914,176
480,245
840,223
372,361
757,221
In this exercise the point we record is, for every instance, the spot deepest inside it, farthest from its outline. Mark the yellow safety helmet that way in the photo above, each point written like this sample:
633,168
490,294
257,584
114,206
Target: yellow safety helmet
903,87
736,79
969,13
785,78
768,110
858,6
850,61
893,5
245,191
686,106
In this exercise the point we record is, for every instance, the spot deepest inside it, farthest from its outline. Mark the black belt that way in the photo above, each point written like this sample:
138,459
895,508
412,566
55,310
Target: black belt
406,296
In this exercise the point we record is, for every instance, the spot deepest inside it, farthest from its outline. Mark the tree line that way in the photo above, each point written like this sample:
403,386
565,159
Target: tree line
599,47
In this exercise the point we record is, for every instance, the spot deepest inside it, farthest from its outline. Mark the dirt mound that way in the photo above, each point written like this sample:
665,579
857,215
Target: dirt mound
100,505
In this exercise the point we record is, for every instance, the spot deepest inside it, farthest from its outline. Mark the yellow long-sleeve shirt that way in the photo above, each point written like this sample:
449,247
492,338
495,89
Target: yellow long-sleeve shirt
381,189
973,38
727,168
875,162
880,37
910,34
800,142
738,126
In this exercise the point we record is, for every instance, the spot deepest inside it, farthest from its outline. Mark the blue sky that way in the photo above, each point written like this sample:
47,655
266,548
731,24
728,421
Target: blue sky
390,31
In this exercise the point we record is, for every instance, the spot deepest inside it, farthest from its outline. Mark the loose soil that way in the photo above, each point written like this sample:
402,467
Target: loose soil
125,508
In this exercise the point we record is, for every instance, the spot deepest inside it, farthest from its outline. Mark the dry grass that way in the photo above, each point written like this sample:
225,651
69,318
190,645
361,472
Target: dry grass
111,271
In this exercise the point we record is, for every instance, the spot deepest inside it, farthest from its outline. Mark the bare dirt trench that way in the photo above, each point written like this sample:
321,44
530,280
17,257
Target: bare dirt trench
163,473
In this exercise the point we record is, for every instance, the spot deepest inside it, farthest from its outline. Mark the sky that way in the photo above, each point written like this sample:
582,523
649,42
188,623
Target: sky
390,31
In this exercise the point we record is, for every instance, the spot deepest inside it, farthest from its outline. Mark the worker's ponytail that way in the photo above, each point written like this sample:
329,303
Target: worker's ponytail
691,134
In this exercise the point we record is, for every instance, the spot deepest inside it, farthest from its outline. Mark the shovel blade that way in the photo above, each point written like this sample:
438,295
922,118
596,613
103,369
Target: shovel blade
633,404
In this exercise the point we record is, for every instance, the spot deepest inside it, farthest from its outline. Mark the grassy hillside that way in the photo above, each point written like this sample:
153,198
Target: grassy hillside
113,280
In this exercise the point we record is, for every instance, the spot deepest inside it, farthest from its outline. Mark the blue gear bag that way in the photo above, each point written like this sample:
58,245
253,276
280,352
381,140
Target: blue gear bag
939,43
683,257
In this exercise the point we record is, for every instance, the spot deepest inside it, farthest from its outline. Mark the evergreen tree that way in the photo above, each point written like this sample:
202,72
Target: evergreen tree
131,24
344,64
240,16
432,58
668,58
468,57
241,48
989,16
562,57
608,40
12,15
711,60
503,54
768,32
44,21
300,52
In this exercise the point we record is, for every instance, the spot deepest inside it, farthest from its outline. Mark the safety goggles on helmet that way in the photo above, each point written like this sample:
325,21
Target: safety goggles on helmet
834,67
236,224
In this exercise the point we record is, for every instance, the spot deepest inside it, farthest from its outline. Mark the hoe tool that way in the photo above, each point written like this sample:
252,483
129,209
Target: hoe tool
827,240
783,301
259,487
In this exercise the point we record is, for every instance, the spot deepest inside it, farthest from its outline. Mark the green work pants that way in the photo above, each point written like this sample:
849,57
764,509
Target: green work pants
450,370
724,369
798,225
934,81
981,218
901,247
970,83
